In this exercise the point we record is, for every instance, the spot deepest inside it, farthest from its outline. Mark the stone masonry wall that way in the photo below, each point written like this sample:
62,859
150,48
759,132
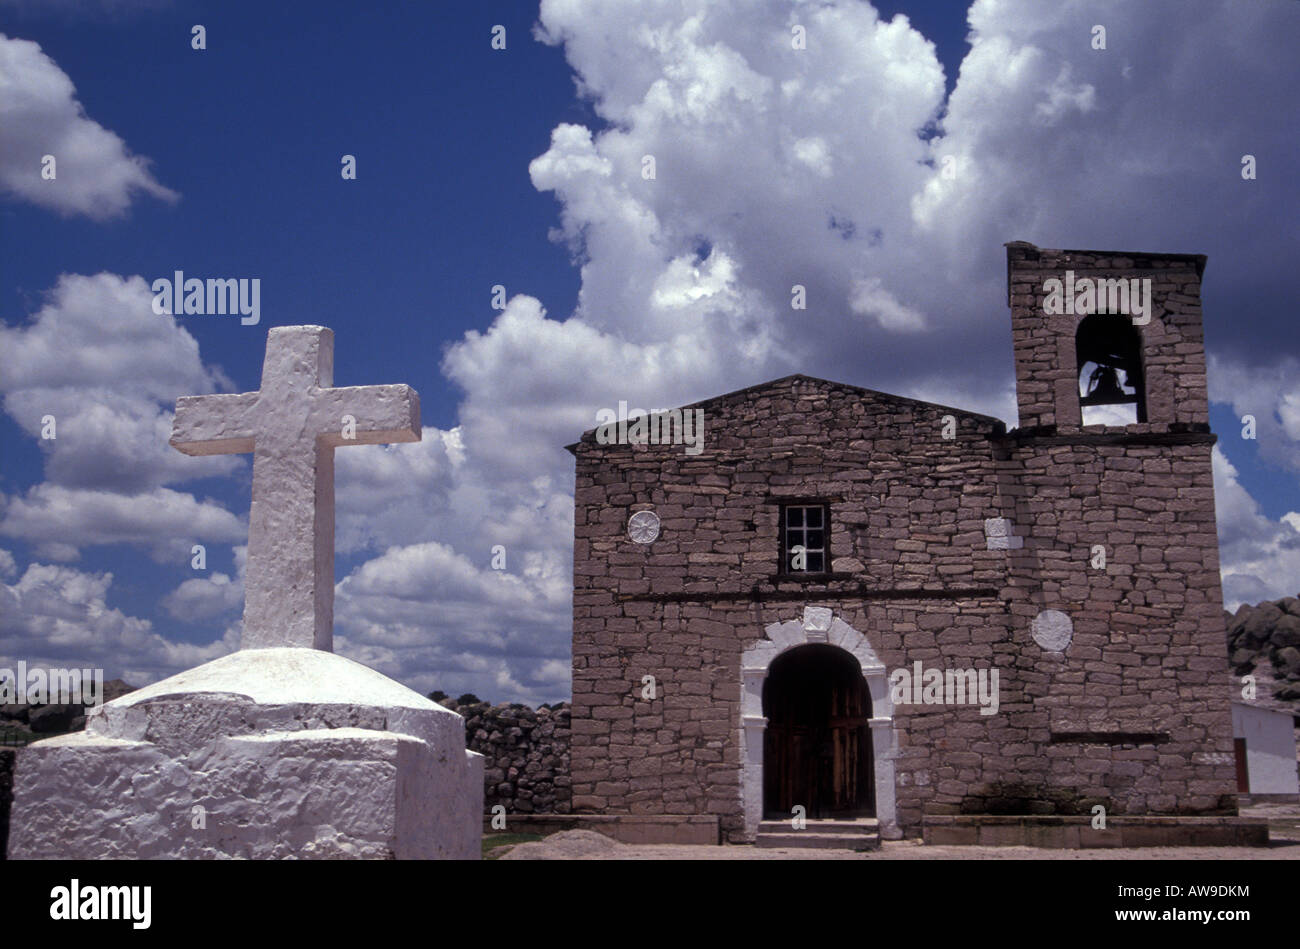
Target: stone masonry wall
527,752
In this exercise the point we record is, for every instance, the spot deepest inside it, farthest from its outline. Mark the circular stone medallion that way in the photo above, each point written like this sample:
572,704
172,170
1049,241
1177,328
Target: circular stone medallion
643,527
1052,630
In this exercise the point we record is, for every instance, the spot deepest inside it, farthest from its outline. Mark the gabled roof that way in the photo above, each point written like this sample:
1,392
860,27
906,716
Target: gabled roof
738,395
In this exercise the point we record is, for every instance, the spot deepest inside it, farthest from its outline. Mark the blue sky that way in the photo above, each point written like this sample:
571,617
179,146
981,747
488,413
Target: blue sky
521,167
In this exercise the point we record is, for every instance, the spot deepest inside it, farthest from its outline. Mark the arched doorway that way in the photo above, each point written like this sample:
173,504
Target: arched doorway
817,744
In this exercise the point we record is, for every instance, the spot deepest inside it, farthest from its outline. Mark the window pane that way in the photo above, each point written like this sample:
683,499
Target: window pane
805,527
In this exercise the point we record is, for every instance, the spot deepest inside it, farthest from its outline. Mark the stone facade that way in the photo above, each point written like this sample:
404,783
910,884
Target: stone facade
953,543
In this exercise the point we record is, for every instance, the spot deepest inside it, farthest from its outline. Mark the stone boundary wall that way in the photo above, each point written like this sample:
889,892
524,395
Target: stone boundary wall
526,751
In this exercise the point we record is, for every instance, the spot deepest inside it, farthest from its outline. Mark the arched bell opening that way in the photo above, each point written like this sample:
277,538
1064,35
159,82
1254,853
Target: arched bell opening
1111,386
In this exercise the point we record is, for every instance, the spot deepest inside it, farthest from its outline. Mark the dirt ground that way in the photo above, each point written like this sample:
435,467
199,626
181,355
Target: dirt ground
1284,821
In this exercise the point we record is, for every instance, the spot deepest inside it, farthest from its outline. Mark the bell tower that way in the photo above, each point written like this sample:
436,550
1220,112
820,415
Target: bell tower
1115,595
1107,338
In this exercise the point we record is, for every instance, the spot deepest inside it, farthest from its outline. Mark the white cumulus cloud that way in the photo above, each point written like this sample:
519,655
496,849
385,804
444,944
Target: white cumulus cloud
1259,558
59,616
94,172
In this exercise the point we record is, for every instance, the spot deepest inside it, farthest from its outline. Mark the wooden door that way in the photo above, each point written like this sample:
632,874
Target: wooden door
1243,773
817,747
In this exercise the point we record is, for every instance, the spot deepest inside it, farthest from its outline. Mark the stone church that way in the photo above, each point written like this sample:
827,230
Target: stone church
867,606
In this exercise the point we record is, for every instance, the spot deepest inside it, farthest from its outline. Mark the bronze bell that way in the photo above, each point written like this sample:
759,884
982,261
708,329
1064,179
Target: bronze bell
1104,387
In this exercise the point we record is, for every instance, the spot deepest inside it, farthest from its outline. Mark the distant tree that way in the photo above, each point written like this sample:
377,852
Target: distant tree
437,695
469,698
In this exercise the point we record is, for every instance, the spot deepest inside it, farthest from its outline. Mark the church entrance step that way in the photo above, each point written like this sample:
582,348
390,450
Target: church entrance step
856,825
859,834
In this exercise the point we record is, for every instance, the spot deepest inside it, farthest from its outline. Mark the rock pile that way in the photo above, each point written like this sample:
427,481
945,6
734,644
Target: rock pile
566,845
1268,632
44,720
527,752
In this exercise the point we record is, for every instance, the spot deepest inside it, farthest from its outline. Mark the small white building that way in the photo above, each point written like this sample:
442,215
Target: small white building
1265,743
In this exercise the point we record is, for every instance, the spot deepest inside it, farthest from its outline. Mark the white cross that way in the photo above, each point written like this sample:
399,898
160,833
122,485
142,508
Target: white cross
292,426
